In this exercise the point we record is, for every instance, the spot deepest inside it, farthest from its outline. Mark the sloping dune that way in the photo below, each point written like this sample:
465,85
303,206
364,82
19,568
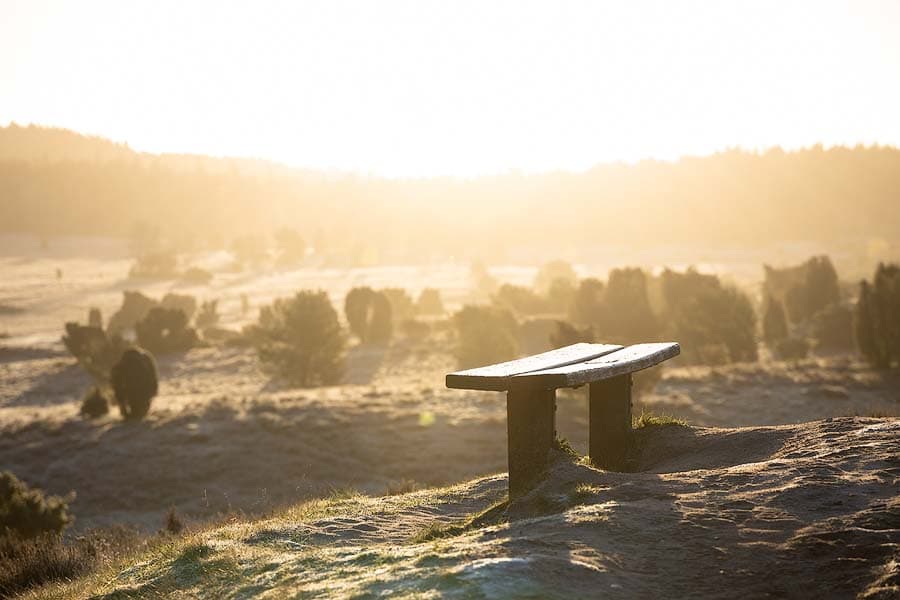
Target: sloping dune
809,510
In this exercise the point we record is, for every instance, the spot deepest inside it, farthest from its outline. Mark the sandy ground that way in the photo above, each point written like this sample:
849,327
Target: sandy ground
793,511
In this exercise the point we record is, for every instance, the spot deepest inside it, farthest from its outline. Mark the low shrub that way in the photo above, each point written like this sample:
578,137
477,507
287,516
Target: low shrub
95,351
370,315
95,318
587,301
300,339
486,334
402,306
416,330
166,330
95,403
135,383
27,512
774,323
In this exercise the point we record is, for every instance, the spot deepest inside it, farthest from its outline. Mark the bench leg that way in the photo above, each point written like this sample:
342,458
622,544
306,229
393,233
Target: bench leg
610,422
531,431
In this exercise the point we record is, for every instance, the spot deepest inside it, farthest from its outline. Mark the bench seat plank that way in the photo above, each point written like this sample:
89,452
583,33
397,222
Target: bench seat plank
497,377
627,360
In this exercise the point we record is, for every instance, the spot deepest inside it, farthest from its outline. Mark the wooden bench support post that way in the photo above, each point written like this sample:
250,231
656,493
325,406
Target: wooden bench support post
610,422
531,430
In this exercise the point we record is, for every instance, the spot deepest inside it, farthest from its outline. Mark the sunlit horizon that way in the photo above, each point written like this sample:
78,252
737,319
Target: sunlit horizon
413,89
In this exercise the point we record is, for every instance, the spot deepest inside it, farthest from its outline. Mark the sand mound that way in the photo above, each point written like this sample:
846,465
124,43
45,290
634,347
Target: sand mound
808,510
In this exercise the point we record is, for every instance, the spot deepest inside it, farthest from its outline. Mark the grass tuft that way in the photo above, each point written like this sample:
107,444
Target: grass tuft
648,419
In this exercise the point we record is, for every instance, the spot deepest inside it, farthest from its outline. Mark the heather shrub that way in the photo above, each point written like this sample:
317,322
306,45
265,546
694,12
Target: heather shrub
430,303
414,329
381,323
832,328
521,300
135,383
551,272
877,317
165,330
28,512
300,339
774,322
135,307
486,334
95,403
95,351
791,348
155,265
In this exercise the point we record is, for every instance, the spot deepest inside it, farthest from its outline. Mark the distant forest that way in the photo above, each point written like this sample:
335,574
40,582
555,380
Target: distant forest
55,181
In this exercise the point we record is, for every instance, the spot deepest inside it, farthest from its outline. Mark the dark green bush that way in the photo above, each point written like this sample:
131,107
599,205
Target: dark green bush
165,330
28,512
791,348
370,315
135,383
774,323
804,289
832,328
486,334
716,317
300,339
430,303
877,317
95,403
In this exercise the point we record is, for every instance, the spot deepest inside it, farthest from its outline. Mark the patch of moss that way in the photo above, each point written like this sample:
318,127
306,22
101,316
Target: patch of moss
648,419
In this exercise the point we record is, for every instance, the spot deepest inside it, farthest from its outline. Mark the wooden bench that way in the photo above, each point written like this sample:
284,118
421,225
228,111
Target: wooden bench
530,384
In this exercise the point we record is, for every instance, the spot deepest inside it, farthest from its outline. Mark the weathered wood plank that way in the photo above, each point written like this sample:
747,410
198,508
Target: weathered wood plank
497,377
609,420
628,360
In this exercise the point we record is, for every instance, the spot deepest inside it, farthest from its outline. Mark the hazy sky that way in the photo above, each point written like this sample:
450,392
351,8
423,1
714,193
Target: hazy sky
454,87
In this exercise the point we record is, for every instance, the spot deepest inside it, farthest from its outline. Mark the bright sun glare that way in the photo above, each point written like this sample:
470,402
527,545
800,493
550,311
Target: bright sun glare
459,88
